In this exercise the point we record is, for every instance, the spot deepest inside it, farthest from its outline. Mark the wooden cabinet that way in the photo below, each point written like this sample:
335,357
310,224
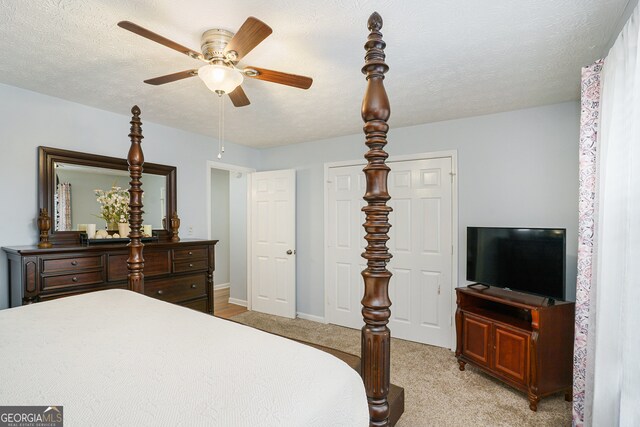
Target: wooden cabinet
517,338
476,335
180,273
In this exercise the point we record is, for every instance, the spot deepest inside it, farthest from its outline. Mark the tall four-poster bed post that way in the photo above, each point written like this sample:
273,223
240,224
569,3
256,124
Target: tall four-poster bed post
376,337
135,158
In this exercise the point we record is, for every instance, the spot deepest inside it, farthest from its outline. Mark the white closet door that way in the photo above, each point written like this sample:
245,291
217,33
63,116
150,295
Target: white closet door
273,235
421,288
421,244
345,245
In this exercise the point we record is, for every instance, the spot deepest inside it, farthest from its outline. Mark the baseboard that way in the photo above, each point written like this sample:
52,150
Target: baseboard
222,286
311,317
236,301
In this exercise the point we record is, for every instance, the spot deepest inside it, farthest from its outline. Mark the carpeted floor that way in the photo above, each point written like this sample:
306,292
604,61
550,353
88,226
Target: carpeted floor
436,392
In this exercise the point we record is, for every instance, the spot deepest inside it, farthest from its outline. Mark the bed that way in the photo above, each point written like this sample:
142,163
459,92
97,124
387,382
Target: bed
135,360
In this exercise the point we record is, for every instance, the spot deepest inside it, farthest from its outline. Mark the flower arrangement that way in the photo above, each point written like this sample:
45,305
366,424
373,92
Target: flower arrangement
114,205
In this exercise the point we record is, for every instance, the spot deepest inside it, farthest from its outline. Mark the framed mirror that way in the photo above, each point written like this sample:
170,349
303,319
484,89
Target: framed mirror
71,184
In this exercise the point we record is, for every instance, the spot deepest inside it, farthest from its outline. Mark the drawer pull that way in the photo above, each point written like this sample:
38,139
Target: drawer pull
74,262
190,253
74,279
160,292
191,265
193,286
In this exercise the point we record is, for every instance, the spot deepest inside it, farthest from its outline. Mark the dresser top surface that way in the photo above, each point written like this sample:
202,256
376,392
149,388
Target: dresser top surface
35,250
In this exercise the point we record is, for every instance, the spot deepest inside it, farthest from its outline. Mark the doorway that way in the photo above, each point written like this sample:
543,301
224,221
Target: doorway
227,214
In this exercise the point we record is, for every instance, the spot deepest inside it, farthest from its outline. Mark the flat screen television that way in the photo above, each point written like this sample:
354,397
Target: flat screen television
530,260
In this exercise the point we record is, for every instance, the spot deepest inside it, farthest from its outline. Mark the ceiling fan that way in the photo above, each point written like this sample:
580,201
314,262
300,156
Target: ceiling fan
222,50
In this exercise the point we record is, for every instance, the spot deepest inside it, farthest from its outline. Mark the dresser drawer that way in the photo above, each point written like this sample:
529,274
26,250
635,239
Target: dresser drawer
156,263
70,264
71,280
195,265
187,254
72,291
177,289
198,305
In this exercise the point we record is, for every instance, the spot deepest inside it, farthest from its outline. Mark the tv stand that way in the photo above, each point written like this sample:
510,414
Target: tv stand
518,339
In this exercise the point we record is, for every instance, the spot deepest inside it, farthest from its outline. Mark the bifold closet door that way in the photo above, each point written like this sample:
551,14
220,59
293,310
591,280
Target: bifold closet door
421,288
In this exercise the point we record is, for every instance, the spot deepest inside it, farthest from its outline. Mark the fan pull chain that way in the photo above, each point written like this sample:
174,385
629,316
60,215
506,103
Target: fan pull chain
220,121
222,137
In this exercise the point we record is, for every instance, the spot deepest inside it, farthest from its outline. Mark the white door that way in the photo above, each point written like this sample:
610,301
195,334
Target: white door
421,288
273,265
344,286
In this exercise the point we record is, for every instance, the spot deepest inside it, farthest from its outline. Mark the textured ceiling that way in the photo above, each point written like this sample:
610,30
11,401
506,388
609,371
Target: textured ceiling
448,58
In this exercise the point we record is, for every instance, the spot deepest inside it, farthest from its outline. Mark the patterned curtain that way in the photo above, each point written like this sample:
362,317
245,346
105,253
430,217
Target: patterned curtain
587,207
63,207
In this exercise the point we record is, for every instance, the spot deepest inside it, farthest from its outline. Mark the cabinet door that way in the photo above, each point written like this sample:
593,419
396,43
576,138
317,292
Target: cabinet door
476,334
511,357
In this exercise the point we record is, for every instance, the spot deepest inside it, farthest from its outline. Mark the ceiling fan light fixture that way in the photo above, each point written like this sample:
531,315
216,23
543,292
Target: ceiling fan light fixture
220,78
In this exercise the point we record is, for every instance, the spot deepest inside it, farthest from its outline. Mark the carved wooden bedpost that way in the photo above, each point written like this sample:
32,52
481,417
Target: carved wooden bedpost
135,262
376,337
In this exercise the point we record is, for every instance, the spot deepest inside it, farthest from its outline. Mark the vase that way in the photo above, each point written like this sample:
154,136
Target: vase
124,229
112,226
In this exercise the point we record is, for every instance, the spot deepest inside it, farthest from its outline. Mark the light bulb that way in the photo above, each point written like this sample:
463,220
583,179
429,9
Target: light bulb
217,75
220,78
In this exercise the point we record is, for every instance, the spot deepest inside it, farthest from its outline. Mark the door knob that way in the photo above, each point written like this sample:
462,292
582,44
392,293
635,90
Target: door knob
289,252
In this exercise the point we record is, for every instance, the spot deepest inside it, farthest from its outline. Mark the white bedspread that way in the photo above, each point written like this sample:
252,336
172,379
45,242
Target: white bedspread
119,358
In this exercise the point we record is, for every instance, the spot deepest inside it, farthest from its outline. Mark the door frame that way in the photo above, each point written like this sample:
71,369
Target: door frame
211,164
453,154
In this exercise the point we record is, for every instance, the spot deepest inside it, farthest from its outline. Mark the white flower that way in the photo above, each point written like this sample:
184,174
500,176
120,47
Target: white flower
114,204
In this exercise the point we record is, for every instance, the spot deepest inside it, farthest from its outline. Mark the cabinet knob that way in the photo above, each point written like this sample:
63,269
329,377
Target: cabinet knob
193,286
74,279
190,253
289,252
191,265
74,262
160,292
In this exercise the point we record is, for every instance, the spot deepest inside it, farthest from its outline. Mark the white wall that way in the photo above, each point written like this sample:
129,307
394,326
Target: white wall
29,119
515,169
518,168
238,234
220,223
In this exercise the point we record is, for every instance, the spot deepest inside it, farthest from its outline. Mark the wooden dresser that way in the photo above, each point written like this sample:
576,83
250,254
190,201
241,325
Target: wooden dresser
180,273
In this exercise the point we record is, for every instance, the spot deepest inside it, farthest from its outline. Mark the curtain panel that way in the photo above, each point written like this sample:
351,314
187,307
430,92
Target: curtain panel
607,344
63,207
587,157
616,388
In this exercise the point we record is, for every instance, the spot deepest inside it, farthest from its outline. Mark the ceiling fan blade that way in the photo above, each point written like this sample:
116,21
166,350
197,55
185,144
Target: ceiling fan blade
239,98
172,77
136,29
250,34
294,80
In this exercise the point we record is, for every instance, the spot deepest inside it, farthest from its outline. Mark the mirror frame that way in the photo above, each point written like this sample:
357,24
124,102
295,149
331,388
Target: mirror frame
47,157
